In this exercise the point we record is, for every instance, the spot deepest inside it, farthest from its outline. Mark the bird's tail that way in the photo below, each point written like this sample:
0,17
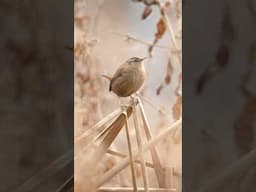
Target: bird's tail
107,77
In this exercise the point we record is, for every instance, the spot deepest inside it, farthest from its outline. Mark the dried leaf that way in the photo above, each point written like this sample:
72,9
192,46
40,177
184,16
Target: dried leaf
147,11
150,48
84,78
161,28
92,43
222,55
244,127
167,78
70,48
159,89
176,109
79,20
77,50
178,88
167,4
180,77
169,72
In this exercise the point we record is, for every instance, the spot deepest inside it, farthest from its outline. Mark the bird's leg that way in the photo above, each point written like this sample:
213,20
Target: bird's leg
133,99
136,98
122,105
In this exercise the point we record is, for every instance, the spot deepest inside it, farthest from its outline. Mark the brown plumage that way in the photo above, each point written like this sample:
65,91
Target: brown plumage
128,78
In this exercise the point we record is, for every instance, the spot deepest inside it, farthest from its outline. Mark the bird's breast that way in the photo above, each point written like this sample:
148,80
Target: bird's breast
129,82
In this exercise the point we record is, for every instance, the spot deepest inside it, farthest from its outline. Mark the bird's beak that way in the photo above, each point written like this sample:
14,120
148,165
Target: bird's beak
144,58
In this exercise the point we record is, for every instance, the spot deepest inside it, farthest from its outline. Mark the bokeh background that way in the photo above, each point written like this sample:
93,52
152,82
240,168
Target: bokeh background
104,32
36,113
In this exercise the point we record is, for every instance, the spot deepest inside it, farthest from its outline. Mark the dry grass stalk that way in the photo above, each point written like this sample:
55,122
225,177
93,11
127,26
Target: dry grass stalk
129,189
121,155
159,109
111,173
98,126
139,142
89,137
130,154
68,184
148,164
169,27
114,129
154,155
234,171
47,172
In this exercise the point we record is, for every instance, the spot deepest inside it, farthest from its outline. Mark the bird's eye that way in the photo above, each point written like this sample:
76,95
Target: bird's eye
134,60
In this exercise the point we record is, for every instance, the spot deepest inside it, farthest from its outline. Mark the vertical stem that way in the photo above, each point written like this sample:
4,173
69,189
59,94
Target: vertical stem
155,158
139,141
123,164
169,27
167,23
130,155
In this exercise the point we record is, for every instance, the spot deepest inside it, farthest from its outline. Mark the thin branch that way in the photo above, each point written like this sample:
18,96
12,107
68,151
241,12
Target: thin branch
165,19
132,38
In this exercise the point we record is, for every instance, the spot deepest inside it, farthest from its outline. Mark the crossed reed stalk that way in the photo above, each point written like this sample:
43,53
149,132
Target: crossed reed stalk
98,140
106,131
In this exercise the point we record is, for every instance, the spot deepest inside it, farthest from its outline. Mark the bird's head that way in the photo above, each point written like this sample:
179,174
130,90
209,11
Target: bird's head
136,60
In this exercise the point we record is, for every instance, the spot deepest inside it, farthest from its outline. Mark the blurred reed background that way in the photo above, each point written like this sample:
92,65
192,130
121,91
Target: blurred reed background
104,32
35,107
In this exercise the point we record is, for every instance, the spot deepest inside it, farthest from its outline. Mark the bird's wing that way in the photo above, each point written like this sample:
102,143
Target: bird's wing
120,72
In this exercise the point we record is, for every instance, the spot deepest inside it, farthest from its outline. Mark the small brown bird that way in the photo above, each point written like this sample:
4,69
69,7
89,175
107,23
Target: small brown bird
128,78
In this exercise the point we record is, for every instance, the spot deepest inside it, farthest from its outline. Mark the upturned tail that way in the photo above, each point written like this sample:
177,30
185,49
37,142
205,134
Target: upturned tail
109,78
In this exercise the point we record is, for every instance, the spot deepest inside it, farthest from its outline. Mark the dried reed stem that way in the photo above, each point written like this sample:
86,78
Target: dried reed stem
139,142
87,139
129,189
47,172
148,164
235,170
159,109
169,27
68,184
115,170
130,154
114,129
97,127
154,155
121,155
